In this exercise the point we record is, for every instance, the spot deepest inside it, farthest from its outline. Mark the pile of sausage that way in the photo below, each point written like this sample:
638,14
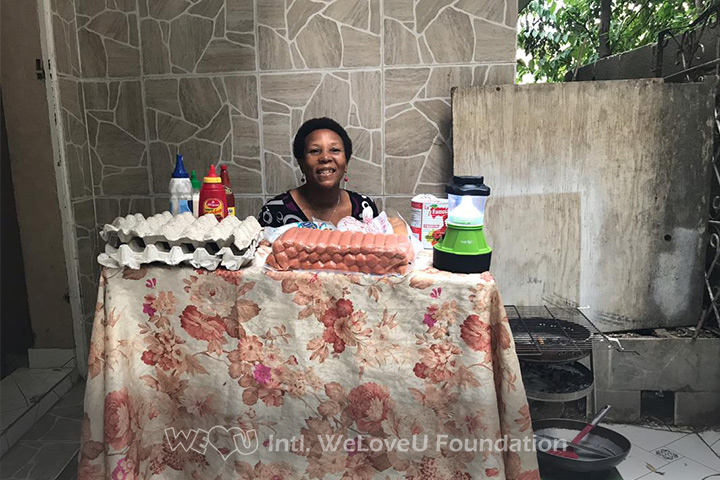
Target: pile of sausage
313,249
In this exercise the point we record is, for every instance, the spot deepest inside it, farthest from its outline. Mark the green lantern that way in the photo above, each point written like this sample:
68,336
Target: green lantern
463,248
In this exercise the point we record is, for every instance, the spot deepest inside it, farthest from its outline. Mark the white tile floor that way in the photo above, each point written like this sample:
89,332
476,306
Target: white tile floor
662,454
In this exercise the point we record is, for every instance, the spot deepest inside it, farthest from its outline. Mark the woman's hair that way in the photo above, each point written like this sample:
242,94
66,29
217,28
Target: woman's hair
323,123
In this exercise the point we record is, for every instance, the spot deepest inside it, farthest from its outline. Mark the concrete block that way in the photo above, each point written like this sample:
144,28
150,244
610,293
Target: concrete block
625,404
602,367
670,364
697,409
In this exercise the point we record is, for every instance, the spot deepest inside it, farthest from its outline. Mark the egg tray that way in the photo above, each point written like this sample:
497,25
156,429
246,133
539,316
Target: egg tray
208,258
179,230
202,242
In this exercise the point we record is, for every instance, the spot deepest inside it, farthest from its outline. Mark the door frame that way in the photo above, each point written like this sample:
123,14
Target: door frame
67,216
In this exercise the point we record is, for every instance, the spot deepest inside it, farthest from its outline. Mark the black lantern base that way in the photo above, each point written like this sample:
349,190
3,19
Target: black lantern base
454,263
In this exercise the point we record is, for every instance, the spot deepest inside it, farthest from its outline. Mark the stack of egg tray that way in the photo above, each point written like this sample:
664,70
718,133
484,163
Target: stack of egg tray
201,242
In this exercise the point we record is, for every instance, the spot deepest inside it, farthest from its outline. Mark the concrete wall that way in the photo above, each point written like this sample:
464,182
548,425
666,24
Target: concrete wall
600,194
36,197
232,80
688,368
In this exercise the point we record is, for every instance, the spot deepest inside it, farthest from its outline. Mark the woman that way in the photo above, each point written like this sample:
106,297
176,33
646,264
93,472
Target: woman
323,149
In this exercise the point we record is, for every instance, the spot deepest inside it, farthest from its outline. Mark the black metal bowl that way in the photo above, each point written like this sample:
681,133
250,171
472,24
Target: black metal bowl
599,437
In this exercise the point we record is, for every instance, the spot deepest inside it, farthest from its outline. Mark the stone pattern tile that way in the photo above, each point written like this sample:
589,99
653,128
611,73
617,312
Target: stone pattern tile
352,98
210,119
418,129
88,248
439,31
64,37
109,208
116,130
205,36
75,140
108,37
314,34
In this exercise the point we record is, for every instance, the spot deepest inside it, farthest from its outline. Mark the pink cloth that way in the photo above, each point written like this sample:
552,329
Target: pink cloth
294,375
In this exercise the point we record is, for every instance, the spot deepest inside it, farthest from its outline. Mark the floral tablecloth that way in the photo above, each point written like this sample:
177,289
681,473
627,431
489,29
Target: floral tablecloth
256,374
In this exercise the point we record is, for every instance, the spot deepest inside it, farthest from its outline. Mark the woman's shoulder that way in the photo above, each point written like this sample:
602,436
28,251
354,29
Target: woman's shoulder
280,210
360,202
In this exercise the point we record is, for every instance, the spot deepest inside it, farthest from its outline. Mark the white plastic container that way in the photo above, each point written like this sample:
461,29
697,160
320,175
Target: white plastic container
428,218
180,189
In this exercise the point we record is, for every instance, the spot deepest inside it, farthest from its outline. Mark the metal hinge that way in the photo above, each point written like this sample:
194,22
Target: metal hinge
39,70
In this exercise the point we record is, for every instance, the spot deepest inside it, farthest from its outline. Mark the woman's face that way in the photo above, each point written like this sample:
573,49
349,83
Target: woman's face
325,163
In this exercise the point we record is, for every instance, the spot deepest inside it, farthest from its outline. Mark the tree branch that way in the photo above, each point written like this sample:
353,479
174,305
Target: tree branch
628,22
591,37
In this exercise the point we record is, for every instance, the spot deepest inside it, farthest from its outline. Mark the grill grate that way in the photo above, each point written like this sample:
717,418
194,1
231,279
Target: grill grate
554,333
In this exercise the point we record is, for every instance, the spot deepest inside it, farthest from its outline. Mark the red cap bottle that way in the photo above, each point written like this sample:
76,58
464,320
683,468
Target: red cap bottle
212,196
228,190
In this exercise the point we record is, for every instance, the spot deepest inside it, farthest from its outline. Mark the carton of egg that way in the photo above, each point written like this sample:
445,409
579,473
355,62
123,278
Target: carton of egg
203,242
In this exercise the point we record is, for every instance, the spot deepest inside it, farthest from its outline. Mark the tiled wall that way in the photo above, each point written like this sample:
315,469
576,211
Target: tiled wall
232,80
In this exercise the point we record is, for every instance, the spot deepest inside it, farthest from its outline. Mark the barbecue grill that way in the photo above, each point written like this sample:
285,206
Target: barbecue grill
550,342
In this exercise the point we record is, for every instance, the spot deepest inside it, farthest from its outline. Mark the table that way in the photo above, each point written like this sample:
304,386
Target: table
257,374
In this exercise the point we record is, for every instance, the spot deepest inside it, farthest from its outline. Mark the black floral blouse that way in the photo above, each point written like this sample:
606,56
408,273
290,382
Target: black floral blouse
282,209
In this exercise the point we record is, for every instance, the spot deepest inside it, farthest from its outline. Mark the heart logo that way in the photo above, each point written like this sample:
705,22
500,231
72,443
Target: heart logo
246,443
223,439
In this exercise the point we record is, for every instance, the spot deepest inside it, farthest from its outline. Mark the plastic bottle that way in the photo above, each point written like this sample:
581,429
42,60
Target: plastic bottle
196,186
212,195
180,189
228,190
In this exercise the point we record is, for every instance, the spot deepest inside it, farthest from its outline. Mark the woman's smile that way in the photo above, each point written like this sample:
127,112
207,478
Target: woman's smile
325,171
324,158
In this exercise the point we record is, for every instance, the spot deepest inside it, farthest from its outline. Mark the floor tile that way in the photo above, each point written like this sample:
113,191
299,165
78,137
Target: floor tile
24,471
666,454
75,396
9,416
70,471
63,387
646,438
49,357
21,426
711,437
10,395
695,449
41,428
17,457
55,457
70,411
46,403
64,430
4,446
683,469
636,463
34,382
